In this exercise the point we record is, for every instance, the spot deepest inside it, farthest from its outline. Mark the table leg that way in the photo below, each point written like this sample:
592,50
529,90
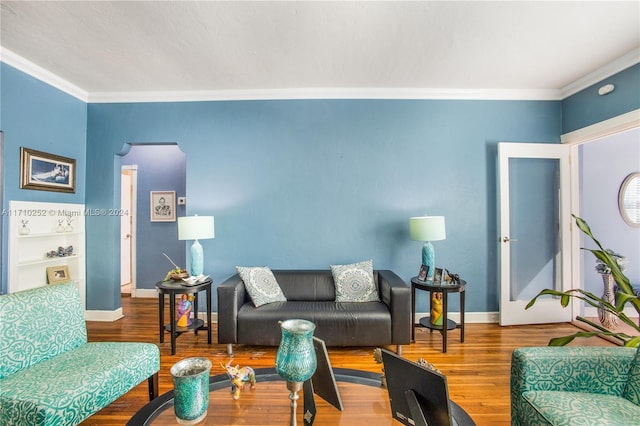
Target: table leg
462,316
413,313
208,293
161,315
195,311
445,324
172,318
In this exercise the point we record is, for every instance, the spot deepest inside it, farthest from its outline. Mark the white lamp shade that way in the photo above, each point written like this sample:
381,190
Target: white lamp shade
195,228
427,228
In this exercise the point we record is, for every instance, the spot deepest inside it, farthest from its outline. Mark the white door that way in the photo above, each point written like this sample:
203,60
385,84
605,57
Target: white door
127,228
535,231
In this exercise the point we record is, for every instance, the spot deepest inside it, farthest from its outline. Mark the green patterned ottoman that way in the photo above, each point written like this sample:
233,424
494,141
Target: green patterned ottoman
575,386
49,374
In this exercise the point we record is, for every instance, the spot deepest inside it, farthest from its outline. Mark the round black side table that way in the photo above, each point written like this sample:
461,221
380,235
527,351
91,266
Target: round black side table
172,288
445,289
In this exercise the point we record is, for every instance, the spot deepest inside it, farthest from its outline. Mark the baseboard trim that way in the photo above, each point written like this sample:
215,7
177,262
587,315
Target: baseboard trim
104,316
144,293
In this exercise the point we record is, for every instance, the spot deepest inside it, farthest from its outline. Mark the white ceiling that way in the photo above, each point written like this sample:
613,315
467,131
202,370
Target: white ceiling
114,48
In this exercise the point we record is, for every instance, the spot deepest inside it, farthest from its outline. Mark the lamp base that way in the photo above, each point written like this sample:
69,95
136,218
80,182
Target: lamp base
428,258
197,259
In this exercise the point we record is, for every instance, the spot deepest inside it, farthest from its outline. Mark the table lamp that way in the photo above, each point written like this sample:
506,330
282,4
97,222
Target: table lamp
196,228
427,228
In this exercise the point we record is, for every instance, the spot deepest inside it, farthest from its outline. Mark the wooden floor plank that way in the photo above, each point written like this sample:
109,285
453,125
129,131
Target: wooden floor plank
477,370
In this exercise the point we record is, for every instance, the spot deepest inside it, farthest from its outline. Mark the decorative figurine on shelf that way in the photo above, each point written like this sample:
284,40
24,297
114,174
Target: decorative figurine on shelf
24,230
239,377
60,227
436,308
184,310
68,228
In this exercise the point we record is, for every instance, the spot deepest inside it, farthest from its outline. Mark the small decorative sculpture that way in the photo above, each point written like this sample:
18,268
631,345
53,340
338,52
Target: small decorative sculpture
184,310
436,308
25,229
60,227
239,377
424,363
68,228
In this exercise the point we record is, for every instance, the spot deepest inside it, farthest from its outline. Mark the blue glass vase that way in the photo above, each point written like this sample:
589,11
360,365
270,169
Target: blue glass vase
296,357
191,389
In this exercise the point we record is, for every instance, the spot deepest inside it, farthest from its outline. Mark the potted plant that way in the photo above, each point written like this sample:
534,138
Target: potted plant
624,296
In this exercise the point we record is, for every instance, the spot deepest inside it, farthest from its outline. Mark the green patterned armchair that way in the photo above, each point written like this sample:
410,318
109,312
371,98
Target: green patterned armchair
575,386
49,374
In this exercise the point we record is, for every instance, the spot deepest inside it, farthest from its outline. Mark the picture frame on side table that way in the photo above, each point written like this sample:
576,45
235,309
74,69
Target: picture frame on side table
46,172
437,276
162,206
58,274
422,274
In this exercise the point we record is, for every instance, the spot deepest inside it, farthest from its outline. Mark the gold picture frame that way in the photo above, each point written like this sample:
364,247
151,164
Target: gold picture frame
46,172
58,274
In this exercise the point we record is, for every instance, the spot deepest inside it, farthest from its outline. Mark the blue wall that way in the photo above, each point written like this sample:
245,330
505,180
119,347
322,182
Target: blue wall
604,165
38,116
297,184
587,107
161,167
306,184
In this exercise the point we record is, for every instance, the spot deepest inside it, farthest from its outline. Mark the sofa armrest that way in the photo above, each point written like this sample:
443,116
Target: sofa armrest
396,294
231,296
602,370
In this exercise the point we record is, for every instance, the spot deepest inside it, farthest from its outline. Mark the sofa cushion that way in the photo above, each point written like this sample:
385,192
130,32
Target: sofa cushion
337,323
93,375
261,285
355,283
581,408
632,390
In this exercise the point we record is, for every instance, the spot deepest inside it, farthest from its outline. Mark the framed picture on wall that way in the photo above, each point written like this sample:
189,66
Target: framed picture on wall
58,274
46,172
163,206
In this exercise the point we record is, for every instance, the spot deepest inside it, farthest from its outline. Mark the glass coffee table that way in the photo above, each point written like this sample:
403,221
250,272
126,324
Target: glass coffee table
364,402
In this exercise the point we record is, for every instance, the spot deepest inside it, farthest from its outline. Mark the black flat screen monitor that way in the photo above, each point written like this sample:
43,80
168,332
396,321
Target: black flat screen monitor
418,396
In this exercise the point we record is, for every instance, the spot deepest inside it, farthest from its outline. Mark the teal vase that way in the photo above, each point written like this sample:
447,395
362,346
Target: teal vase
296,357
191,390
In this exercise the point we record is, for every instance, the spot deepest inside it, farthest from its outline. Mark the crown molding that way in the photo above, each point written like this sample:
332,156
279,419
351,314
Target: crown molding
325,93
36,71
602,73
28,67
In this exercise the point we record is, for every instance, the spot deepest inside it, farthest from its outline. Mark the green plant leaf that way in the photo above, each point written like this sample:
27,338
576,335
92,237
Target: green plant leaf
624,296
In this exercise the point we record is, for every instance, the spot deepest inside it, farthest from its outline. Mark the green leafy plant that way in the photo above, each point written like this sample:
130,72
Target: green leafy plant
624,296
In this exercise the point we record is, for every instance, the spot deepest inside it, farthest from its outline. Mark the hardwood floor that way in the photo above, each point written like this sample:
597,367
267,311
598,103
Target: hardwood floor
477,370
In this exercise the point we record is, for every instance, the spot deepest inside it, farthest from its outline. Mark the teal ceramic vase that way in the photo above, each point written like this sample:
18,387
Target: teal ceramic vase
191,390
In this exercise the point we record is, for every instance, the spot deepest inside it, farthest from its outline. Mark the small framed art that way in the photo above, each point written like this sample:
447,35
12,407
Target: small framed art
46,172
437,276
422,274
58,274
163,206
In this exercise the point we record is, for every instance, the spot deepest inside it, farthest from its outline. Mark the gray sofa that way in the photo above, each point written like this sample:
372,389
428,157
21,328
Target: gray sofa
311,296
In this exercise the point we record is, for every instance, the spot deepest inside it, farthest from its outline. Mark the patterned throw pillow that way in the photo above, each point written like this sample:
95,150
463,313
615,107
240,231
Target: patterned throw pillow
261,285
354,283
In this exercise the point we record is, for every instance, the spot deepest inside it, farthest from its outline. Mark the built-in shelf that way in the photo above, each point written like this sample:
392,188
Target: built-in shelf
28,261
48,260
